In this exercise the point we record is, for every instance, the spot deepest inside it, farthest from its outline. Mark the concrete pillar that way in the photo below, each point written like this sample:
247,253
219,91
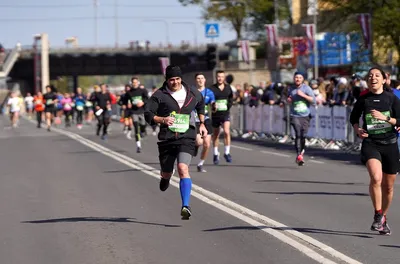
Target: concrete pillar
75,83
45,67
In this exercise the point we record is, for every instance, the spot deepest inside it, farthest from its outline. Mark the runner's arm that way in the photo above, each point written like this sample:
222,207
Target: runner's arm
150,111
200,107
230,99
356,113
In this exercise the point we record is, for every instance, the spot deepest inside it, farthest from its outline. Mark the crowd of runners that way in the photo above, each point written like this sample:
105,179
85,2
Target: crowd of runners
191,118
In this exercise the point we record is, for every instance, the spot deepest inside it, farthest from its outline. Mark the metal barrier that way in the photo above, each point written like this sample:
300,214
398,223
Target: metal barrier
329,126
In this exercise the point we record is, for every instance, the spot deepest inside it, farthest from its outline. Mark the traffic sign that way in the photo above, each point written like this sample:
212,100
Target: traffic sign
212,30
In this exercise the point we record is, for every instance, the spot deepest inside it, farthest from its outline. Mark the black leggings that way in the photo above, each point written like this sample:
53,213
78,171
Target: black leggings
68,115
137,128
300,126
79,117
39,117
103,120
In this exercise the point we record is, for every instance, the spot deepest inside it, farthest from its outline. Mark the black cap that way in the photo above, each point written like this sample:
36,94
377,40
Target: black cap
172,71
298,73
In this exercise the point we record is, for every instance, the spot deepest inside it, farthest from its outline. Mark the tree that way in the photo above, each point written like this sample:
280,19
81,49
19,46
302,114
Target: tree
385,21
233,12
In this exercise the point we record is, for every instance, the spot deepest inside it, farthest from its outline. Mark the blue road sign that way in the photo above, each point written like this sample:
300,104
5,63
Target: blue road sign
212,30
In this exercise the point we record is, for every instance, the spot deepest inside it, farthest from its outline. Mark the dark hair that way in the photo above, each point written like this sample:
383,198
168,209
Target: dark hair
199,73
385,86
220,71
134,78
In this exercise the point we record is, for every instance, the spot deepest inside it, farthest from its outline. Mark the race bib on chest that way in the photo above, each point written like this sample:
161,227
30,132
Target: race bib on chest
79,108
181,124
300,107
375,126
49,101
222,105
89,104
136,100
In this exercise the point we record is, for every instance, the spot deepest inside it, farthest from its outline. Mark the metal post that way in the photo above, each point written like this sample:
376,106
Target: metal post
95,23
316,73
116,22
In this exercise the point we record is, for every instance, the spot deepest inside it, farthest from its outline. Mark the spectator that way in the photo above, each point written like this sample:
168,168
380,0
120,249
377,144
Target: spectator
318,95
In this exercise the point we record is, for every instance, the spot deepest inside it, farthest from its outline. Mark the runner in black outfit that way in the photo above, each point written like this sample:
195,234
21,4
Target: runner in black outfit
380,111
138,98
126,106
173,107
102,103
50,101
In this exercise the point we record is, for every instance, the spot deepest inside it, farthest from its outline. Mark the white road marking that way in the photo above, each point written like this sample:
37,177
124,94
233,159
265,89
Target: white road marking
317,161
275,153
239,147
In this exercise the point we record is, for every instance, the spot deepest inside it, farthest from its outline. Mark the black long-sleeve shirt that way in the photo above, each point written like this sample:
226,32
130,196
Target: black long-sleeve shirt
101,99
135,95
162,104
386,103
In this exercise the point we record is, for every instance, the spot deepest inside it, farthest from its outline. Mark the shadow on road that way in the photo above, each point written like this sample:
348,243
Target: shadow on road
316,182
315,193
299,229
96,219
390,246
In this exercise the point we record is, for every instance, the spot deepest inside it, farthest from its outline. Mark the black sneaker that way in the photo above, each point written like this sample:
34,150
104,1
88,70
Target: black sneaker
385,229
186,212
164,184
379,220
228,158
216,159
200,168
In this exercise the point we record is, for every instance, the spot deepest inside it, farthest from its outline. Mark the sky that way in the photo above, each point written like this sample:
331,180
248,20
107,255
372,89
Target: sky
22,19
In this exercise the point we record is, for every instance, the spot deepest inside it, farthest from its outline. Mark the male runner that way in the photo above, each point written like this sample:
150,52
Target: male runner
172,107
221,116
126,106
102,103
138,98
300,97
209,101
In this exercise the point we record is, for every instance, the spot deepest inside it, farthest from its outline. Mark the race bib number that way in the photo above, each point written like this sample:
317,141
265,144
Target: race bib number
300,107
136,100
67,106
222,105
89,104
181,124
375,126
79,108
49,101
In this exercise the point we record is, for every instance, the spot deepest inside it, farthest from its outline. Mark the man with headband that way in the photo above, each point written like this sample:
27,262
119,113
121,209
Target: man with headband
300,97
172,106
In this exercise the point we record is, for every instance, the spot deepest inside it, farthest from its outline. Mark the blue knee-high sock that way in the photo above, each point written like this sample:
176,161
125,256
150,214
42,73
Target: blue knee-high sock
185,186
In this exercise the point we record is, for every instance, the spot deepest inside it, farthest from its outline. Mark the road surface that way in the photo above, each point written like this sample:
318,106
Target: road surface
68,197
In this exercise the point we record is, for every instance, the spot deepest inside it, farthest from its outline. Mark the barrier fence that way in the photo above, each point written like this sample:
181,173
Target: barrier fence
329,126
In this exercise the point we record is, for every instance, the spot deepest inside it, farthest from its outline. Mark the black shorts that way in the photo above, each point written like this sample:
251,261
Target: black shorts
300,125
387,154
169,152
208,126
128,113
49,109
218,121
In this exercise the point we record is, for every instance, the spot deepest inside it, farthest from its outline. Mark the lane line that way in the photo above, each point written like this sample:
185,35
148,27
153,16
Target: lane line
275,153
317,161
274,228
238,147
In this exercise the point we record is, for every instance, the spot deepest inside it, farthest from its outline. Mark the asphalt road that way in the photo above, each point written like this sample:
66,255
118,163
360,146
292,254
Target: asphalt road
64,199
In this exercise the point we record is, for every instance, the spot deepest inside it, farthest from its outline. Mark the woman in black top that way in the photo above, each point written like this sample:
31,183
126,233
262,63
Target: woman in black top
380,111
50,101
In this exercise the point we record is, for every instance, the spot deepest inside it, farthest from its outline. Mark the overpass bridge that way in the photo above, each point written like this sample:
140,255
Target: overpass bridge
33,66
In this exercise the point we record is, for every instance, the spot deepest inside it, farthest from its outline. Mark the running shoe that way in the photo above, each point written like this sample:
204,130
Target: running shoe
379,220
216,159
228,158
300,160
385,229
200,168
138,150
164,184
186,212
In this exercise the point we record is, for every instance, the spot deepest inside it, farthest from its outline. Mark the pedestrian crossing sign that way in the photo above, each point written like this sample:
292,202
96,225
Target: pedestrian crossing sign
212,30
